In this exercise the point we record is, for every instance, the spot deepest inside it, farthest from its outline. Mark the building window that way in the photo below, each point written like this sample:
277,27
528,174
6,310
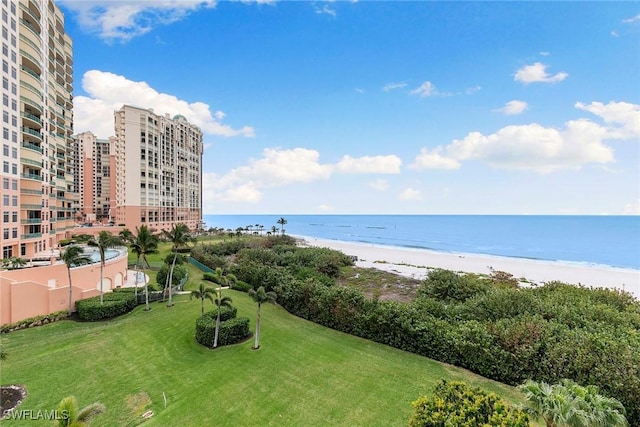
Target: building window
7,252
14,216
5,216
5,183
5,233
14,233
23,249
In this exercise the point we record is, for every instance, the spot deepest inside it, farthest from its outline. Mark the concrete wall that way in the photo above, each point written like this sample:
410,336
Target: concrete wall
29,292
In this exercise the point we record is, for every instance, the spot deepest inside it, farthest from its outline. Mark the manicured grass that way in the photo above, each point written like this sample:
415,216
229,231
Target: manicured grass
303,374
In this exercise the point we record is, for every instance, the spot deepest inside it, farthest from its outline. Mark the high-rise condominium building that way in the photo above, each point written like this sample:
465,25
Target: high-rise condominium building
38,191
158,170
94,178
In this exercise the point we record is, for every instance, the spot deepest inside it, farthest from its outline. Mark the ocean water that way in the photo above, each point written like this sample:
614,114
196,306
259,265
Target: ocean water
604,240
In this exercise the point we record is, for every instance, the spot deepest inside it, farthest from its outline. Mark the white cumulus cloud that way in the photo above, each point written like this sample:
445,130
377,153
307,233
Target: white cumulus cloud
389,164
537,73
108,92
275,168
121,21
513,108
623,118
433,159
542,149
409,194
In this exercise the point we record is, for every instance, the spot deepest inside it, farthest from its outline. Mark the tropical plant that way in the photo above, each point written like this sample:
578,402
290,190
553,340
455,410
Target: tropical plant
572,405
105,240
179,235
456,404
224,281
73,256
3,353
71,416
143,244
260,296
203,292
126,235
282,221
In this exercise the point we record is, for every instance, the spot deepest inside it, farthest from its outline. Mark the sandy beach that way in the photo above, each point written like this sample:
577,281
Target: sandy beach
417,262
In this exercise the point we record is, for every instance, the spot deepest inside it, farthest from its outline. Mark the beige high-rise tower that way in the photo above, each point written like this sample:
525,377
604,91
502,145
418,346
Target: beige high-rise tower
38,163
158,170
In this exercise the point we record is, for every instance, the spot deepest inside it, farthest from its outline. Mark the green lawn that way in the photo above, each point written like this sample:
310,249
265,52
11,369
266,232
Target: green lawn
303,375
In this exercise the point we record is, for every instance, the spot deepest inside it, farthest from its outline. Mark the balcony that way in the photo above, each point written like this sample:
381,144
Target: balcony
31,236
31,221
31,176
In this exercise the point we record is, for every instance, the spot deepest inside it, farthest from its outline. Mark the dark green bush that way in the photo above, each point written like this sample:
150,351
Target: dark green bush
235,329
179,273
448,285
241,286
114,305
31,322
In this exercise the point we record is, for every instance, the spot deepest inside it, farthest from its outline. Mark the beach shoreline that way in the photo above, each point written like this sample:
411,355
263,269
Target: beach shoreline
417,262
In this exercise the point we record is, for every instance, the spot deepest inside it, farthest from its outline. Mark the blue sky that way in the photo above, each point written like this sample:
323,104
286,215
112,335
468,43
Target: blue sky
380,107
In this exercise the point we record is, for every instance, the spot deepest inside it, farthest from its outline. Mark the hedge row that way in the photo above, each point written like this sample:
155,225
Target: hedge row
31,322
510,350
114,304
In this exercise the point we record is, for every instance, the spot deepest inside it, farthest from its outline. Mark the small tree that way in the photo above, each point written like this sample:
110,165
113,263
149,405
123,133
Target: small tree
282,221
178,235
260,296
224,281
73,256
203,292
456,404
144,243
105,240
74,417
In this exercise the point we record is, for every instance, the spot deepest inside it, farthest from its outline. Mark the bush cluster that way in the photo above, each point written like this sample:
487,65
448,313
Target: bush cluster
114,304
456,404
232,329
31,322
548,333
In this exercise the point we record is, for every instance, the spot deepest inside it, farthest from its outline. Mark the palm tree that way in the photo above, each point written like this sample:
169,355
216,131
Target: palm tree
224,281
282,222
126,235
202,293
77,417
220,301
144,243
274,229
260,296
570,404
105,240
16,262
178,235
73,256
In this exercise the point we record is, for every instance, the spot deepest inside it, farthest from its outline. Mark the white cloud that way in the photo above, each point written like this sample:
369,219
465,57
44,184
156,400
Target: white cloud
472,90
108,92
389,164
391,86
425,89
534,147
513,108
632,19
379,184
632,208
544,53
325,10
434,160
536,73
277,167
326,208
542,149
622,117
122,21
409,194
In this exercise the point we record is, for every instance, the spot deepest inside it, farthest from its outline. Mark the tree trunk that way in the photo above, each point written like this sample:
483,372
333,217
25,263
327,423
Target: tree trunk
70,290
101,280
173,265
256,343
215,337
135,283
146,291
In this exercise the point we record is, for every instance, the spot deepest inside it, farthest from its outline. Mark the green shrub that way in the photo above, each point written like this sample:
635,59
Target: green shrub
456,404
31,322
241,286
235,329
114,304
448,285
179,273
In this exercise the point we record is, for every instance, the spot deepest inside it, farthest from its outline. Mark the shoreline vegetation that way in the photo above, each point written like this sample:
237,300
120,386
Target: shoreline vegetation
416,263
